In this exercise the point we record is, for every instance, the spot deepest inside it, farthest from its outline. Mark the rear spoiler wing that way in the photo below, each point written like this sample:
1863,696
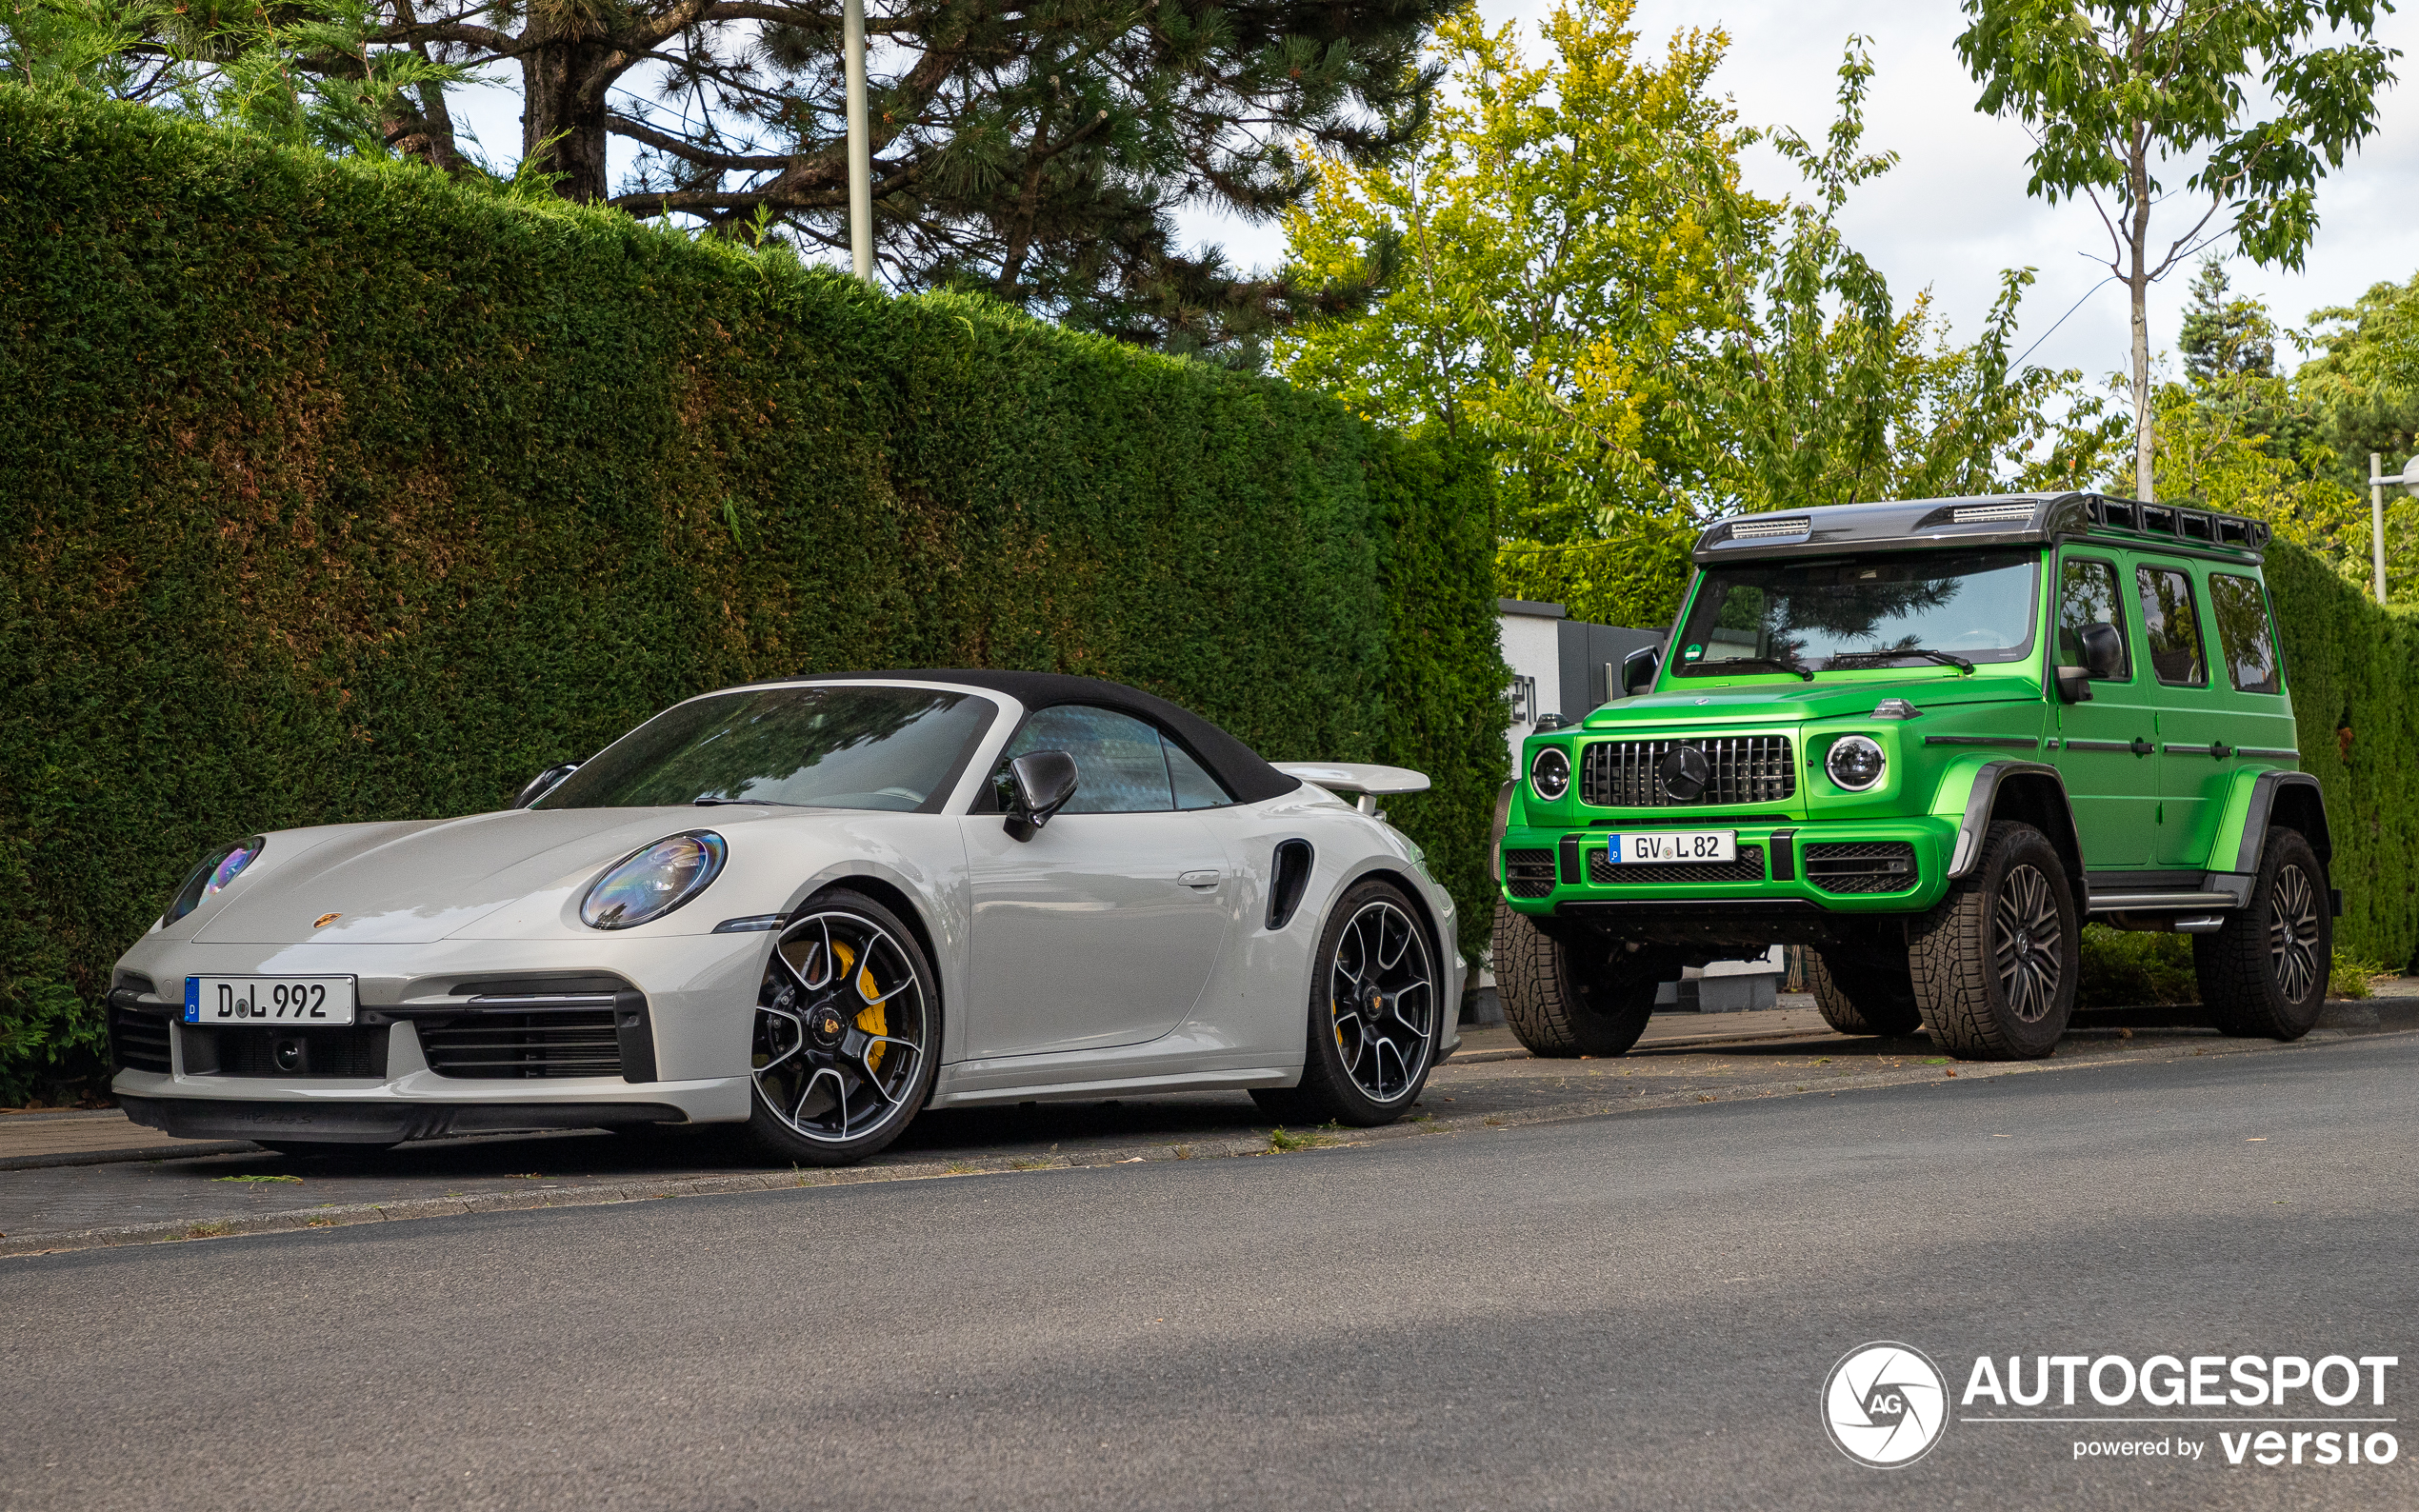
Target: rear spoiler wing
1369,782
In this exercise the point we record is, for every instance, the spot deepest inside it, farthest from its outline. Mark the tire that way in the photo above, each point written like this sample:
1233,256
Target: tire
1565,1001
1995,964
1374,1015
1863,998
2264,972
848,1033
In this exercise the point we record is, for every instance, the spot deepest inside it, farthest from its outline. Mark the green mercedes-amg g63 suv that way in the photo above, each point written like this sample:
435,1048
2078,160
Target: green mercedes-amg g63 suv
1928,740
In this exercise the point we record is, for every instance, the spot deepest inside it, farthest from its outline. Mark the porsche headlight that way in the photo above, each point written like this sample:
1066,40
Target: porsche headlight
1855,763
208,880
654,881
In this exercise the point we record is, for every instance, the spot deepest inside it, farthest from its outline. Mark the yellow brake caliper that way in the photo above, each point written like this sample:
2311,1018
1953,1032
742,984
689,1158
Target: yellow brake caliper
872,1021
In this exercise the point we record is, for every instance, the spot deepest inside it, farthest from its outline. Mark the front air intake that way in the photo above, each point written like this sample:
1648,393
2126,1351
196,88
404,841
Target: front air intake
1529,873
1867,866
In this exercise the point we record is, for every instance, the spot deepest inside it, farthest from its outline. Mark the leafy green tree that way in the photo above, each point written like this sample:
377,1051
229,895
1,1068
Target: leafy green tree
2118,93
2223,337
1567,267
307,73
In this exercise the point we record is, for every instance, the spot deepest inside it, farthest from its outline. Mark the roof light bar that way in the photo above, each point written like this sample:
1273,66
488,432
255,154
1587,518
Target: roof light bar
1975,514
1758,529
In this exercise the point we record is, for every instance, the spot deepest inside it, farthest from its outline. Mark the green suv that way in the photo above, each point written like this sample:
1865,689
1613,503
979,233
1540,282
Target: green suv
1928,740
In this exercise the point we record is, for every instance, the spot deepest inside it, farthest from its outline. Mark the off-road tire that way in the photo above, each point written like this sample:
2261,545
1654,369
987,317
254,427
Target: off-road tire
1329,1091
2242,968
1559,1002
1864,998
1963,952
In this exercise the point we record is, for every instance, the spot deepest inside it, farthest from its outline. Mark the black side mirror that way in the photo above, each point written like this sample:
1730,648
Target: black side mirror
1638,669
2103,651
2074,685
1044,780
544,783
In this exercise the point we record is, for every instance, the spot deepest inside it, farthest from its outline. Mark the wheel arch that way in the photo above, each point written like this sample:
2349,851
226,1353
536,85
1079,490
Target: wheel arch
1381,873
2293,800
899,900
2033,792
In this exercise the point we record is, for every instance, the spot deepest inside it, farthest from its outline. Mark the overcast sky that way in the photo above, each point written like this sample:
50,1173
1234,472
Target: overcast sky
1954,211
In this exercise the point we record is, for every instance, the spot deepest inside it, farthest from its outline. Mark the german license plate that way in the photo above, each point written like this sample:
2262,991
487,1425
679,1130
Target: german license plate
1675,845
305,1002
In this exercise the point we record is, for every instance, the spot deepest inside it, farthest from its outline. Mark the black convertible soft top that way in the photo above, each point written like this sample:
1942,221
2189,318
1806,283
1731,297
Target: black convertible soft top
1229,760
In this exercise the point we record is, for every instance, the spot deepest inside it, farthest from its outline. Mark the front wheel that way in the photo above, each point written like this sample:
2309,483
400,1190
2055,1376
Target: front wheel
847,1035
1569,1000
2263,973
1995,964
1374,1015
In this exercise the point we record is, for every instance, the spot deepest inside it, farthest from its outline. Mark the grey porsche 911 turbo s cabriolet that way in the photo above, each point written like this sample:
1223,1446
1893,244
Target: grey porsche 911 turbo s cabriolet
813,907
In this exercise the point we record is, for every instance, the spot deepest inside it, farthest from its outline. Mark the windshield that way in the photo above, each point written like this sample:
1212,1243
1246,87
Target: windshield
1810,615
821,748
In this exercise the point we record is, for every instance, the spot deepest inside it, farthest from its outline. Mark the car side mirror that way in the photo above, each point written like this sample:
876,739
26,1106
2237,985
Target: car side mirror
1638,669
2074,685
2103,651
1044,780
544,783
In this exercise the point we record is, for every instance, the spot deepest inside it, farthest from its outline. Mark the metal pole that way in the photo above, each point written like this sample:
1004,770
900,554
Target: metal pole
860,143
2377,519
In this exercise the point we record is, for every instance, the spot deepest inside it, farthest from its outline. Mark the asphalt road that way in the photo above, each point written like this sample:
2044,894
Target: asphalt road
1634,1311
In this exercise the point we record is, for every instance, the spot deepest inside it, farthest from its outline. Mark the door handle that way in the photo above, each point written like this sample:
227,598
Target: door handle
2142,747
1200,879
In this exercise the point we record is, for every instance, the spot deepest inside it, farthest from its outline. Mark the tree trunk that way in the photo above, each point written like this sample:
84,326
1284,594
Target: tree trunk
2138,282
563,114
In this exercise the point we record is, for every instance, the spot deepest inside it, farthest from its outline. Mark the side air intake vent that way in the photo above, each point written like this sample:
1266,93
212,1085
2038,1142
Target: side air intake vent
1291,879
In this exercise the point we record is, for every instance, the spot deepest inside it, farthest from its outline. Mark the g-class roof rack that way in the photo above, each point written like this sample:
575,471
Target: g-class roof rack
2006,519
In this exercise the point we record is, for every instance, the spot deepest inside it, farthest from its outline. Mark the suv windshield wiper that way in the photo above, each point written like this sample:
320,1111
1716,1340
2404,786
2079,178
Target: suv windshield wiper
1944,657
773,803
1773,663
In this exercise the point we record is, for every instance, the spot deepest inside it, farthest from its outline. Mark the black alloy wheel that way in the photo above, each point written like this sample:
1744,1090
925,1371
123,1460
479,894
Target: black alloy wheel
1375,1009
2264,973
846,1034
1995,965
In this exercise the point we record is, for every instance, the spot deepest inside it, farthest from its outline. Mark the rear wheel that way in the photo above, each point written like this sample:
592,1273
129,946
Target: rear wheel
1567,999
1995,964
1863,997
1374,1013
846,1036
2264,972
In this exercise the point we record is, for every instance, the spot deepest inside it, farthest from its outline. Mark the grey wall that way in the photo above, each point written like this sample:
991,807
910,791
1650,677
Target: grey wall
1587,651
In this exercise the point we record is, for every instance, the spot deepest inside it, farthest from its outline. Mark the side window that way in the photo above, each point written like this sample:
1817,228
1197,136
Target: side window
2171,624
1121,767
2087,596
1196,788
2244,633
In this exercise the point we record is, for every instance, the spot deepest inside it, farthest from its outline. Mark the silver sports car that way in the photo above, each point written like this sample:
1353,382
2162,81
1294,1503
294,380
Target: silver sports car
815,907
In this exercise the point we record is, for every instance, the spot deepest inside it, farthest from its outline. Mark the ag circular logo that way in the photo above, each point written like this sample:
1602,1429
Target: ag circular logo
1885,1404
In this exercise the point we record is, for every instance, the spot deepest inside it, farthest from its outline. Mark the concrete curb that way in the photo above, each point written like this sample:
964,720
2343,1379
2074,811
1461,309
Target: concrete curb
147,1152
647,1191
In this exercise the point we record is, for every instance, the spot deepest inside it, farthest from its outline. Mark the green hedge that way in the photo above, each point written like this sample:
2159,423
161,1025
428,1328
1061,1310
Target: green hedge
336,492
2354,671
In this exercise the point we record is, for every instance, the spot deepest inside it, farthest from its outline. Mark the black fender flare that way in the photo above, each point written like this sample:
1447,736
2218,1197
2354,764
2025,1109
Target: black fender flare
1503,827
1983,802
2300,797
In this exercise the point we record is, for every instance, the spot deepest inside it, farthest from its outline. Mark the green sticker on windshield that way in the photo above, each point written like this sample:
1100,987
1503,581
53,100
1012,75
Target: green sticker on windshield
1692,653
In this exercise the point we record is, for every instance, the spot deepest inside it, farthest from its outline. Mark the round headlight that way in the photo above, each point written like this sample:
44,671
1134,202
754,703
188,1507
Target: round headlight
1550,774
208,880
654,881
1855,763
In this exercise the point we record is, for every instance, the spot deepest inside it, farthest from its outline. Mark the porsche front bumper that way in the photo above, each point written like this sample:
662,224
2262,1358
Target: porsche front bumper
454,1037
